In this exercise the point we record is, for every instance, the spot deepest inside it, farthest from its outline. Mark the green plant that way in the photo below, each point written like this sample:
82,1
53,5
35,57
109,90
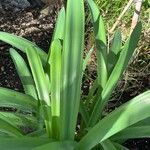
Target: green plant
52,85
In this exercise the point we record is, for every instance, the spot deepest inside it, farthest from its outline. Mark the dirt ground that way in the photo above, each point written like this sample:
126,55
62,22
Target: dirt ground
27,24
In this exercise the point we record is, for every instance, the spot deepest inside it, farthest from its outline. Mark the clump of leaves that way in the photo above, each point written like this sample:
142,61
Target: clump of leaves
52,86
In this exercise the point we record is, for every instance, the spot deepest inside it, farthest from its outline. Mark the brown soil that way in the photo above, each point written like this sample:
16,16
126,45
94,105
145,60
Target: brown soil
29,25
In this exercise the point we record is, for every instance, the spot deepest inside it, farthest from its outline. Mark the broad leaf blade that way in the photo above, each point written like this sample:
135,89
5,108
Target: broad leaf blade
24,73
128,114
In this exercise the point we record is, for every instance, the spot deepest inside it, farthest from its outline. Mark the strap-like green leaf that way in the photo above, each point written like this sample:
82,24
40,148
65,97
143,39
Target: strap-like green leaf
128,114
65,145
60,25
120,147
145,122
11,98
116,43
114,50
55,78
41,85
3,134
58,34
38,133
38,75
8,128
23,143
92,91
19,120
72,59
84,113
100,37
87,58
108,145
132,133
22,44
24,73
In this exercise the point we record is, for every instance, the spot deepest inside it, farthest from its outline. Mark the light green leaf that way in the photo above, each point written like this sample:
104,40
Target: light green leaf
58,34
133,133
19,120
41,86
55,78
87,58
38,133
38,75
92,91
3,134
120,147
72,59
11,98
23,143
24,73
128,114
145,122
84,113
116,43
65,145
100,36
108,145
114,50
22,44
8,128
60,25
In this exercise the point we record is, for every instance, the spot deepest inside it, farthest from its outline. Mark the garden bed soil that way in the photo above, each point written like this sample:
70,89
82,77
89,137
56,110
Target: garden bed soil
28,24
